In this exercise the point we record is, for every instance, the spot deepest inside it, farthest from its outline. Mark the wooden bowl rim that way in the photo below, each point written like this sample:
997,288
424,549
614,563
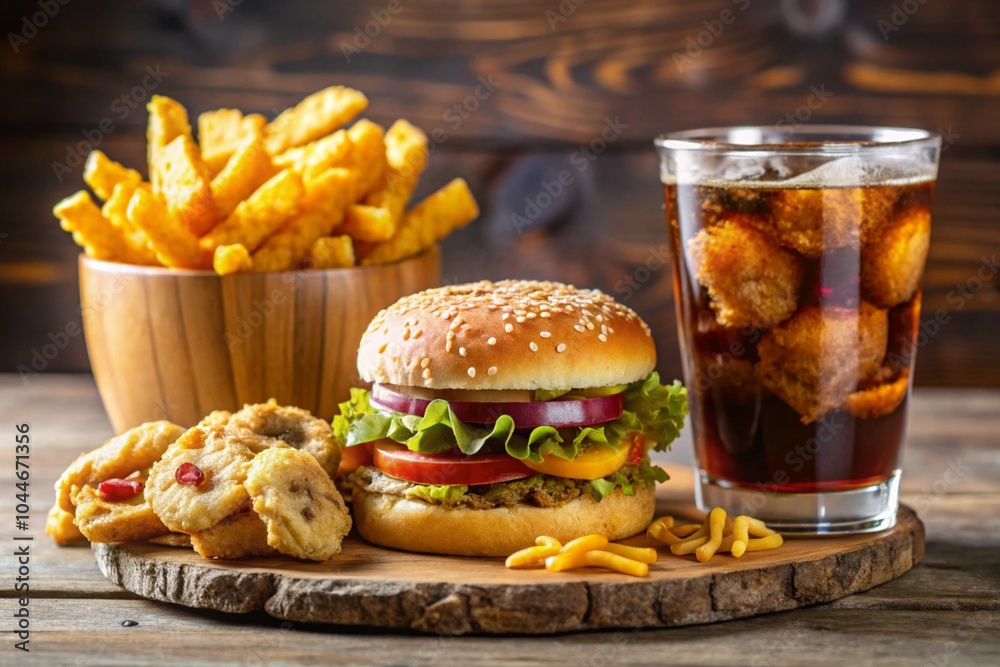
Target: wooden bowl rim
105,266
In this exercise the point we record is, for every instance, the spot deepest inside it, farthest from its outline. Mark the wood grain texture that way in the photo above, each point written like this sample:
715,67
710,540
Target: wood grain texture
372,586
176,345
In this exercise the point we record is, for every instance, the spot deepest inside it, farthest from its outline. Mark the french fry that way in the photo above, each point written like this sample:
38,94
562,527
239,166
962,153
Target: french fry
102,174
585,543
168,119
220,133
616,563
317,156
186,186
314,117
639,554
546,541
92,231
322,210
741,531
765,543
688,546
173,244
330,252
566,561
531,557
115,209
230,259
660,531
248,169
448,209
687,530
717,524
376,219
256,218
367,156
756,528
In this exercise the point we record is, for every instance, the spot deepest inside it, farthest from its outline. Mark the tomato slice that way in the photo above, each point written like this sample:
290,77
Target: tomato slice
446,468
526,414
352,458
594,464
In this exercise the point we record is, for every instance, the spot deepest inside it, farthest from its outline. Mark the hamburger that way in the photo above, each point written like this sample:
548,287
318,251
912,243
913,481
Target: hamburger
503,411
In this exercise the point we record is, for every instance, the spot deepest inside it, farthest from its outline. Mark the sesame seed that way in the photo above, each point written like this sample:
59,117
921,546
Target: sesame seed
602,338
427,374
534,348
492,370
406,334
381,348
600,318
520,319
472,372
531,316
611,330
604,328
425,362
590,325
418,334
461,351
447,346
544,334
491,341
508,327
561,347
505,316
451,335
546,313
579,328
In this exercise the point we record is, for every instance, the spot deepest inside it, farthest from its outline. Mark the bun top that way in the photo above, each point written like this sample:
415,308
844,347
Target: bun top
514,334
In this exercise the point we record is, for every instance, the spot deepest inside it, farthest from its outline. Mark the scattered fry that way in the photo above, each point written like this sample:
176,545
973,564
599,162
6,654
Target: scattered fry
641,554
585,543
532,556
587,551
612,561
718,534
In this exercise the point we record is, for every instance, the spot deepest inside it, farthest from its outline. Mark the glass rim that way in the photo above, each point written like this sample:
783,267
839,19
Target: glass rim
708,139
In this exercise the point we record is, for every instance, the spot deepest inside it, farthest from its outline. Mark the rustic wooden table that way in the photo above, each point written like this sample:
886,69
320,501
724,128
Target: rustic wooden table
944,612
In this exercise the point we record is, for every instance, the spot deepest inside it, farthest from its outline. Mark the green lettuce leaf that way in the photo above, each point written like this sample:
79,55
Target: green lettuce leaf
655,410
443,494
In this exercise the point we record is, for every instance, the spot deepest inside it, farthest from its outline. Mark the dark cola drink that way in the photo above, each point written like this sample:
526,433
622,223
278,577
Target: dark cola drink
799,312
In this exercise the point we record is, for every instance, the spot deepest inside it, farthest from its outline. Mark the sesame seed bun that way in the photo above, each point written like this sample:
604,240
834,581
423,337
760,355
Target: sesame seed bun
513,334
395,522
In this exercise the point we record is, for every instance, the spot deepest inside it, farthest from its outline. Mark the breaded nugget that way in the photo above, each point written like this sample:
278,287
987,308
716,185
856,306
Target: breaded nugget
812,220
750,279
60,527
103,520
904,326
305,515
892,262
295,427
133,450
238,536
818,357
179,540
193,507
879,399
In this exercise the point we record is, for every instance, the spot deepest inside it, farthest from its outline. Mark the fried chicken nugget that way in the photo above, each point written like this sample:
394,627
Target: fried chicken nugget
193,506
751,280
238,536
133,450
814,360
880,399
60,527
904,327
103,520
892,263
811,220
305,514
295,427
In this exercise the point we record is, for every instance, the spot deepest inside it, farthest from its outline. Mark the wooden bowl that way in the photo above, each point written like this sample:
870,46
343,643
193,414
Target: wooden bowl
171,344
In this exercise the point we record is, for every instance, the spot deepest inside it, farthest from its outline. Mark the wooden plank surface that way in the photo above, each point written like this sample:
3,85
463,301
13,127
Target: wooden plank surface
945,609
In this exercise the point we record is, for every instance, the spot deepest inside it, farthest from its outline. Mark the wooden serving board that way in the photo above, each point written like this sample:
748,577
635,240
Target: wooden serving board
369,585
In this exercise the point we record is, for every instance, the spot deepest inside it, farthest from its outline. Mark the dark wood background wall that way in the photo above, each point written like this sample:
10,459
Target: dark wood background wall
554,74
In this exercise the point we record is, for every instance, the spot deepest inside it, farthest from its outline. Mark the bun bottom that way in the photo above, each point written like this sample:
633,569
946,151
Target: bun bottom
412,525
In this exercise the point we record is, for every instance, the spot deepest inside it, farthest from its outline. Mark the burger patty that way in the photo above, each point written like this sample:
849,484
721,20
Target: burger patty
539,490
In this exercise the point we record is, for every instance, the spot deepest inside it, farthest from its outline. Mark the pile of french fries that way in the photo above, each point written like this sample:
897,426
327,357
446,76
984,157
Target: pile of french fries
587,551
718,534
298,192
